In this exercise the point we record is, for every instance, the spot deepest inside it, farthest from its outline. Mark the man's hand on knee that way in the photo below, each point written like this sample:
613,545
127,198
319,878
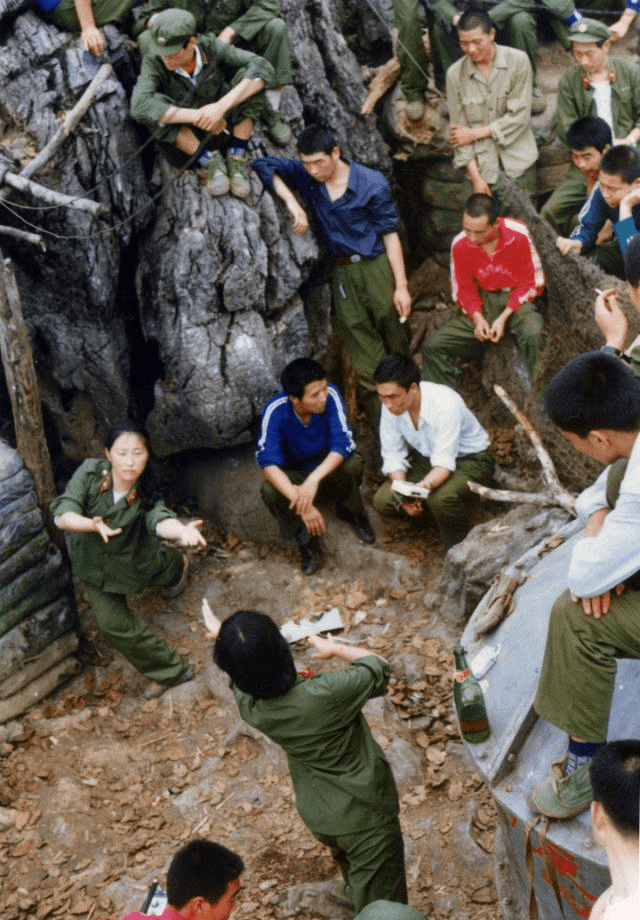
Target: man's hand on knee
599,605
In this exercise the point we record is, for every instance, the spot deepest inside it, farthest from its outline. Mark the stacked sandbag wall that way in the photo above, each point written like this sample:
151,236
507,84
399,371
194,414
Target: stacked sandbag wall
37,616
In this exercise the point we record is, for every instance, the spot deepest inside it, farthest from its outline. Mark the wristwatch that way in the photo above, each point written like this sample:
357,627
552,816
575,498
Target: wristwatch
612,350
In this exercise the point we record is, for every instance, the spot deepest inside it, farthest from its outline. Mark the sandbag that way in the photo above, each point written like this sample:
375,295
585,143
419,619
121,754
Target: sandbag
51,580
32,635
18,531
28,556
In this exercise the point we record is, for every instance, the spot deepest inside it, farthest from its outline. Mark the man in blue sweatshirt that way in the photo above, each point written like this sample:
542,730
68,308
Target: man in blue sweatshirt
306,451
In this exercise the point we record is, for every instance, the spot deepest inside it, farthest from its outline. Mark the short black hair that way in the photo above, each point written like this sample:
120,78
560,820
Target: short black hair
632,261
473,19
623,161
615,781
397,368
316,139
481,205
297,374
594,391
201,869
589,131
253,652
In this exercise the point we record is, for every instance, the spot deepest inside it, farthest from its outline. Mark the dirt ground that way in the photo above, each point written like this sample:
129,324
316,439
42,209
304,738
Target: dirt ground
97,796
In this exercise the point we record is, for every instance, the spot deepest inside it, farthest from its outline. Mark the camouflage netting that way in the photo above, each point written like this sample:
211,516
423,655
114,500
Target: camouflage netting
570,298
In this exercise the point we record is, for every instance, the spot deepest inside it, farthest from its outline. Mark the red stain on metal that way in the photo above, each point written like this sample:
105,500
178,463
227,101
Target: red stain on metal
566,866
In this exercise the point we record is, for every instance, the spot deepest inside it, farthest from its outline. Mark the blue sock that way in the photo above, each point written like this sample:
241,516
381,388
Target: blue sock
205,158
238,147
580,753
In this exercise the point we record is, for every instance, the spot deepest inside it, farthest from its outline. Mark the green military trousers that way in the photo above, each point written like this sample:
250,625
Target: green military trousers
565,202
104,11
371,862
343,485
456,338
414,64
579,668
448,503
368,322
130,635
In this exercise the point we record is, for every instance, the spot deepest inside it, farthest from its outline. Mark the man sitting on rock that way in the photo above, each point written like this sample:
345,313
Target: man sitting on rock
588,138
428,437
489,97
595,401
183,97
495,275
307,452
203,881
616,197
598,85
256,25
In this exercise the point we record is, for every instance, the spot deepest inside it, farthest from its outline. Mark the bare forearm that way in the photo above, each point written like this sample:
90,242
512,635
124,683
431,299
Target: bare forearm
84,12
280,481
76,523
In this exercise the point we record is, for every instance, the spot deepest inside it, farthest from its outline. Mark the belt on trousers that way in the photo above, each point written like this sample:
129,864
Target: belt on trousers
350,260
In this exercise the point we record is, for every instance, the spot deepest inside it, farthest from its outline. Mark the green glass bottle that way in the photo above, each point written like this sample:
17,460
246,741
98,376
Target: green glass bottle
469,700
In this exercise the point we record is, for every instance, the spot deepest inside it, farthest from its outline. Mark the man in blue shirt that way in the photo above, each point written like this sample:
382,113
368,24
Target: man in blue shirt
306,451
355,211
616,197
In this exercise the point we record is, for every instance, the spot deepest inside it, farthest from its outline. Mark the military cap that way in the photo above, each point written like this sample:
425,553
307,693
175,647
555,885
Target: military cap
168,32
588,31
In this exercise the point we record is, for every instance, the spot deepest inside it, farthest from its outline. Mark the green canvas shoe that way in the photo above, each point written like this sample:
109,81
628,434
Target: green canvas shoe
217,178
238,176
561,796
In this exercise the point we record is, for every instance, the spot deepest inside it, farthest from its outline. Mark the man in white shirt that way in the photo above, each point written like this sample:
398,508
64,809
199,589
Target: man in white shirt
595,401
429,437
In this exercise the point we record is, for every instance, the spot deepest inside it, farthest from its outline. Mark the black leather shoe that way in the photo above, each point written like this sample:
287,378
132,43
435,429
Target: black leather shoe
309,553
358,523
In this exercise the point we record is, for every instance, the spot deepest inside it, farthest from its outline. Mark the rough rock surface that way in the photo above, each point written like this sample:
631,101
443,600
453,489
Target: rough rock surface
487,551
174,304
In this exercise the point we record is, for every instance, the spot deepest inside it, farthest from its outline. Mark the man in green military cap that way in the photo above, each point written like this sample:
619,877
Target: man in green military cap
599,85
183,97
255,25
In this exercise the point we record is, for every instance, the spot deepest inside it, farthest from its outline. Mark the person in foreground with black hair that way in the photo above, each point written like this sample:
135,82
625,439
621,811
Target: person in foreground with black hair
595,401
306,451
354,209
615,817
116,524
203,882
344,787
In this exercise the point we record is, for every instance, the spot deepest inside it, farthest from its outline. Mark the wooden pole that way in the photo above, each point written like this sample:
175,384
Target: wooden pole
17,359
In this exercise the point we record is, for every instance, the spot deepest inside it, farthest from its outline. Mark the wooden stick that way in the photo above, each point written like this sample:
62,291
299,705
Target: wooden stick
22,384
23,235
50,197
525,498
548,469
72,118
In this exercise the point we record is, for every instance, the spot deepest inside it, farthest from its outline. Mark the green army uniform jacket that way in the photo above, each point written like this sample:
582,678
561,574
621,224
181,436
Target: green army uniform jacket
576,100
342,780
244,17
157,88
504,103
128,561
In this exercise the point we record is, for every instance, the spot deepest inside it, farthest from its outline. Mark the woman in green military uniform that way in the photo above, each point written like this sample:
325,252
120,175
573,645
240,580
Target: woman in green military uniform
115,530
344,787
